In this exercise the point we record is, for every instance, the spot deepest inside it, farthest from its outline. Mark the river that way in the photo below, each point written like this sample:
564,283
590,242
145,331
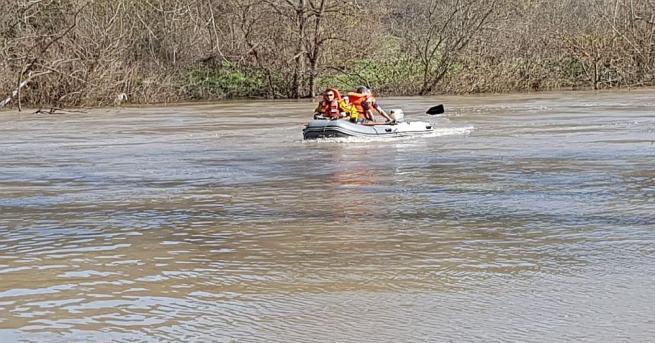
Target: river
523,218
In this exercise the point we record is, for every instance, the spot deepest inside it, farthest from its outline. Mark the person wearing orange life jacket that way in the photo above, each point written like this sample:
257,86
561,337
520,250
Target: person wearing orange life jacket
364,102
332,106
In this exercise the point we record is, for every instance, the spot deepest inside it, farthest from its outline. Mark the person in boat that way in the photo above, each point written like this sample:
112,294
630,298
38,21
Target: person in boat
364,102
333,106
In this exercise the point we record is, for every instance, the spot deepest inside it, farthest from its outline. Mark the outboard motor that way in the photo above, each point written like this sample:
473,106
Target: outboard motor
397,115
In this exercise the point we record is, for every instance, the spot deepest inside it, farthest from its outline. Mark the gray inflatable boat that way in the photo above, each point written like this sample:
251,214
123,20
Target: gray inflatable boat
323,128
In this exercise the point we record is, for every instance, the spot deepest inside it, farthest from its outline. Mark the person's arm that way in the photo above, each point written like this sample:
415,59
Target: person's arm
318,111
381,111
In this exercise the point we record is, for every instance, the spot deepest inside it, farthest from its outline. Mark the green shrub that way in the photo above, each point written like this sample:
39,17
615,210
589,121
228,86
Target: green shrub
394,75
223,82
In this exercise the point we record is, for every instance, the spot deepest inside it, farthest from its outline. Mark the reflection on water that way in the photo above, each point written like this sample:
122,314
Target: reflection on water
523,218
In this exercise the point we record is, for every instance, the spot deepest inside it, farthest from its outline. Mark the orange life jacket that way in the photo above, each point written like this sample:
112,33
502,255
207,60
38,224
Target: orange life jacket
330,109
363,103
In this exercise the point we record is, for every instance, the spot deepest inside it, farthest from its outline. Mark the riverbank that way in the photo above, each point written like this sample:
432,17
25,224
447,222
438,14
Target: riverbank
447,99
101,53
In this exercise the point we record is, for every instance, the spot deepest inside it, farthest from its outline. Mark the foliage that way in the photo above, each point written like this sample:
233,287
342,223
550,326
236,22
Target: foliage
389,76
223,82
72,53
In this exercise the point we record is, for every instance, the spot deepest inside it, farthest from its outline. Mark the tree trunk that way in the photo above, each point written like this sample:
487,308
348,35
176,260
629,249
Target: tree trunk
316,48
299,58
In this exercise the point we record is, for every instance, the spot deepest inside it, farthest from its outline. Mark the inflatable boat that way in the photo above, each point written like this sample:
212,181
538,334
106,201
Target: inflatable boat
324,128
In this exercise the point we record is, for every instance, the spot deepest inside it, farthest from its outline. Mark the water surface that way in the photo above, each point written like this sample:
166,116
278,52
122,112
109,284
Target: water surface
526,218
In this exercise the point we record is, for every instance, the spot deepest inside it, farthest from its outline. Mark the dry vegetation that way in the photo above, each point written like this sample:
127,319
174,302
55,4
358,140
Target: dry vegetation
102,52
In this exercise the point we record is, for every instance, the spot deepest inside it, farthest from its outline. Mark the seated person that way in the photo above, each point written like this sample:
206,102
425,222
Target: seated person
364,102
332,106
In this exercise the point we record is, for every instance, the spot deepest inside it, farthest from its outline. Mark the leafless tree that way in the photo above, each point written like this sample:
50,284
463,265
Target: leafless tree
436,31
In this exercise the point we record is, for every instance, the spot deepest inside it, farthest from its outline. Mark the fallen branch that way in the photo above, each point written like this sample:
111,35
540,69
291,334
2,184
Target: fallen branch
24,83
15,92
57,110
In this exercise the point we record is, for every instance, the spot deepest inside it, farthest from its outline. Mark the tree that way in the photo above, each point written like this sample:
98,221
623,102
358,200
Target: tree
46,23
436,31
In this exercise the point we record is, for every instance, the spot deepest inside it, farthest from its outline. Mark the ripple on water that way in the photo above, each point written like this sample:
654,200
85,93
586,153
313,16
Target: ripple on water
517,219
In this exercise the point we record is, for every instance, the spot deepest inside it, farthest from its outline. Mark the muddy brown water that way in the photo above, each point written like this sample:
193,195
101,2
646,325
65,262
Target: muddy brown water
523,218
